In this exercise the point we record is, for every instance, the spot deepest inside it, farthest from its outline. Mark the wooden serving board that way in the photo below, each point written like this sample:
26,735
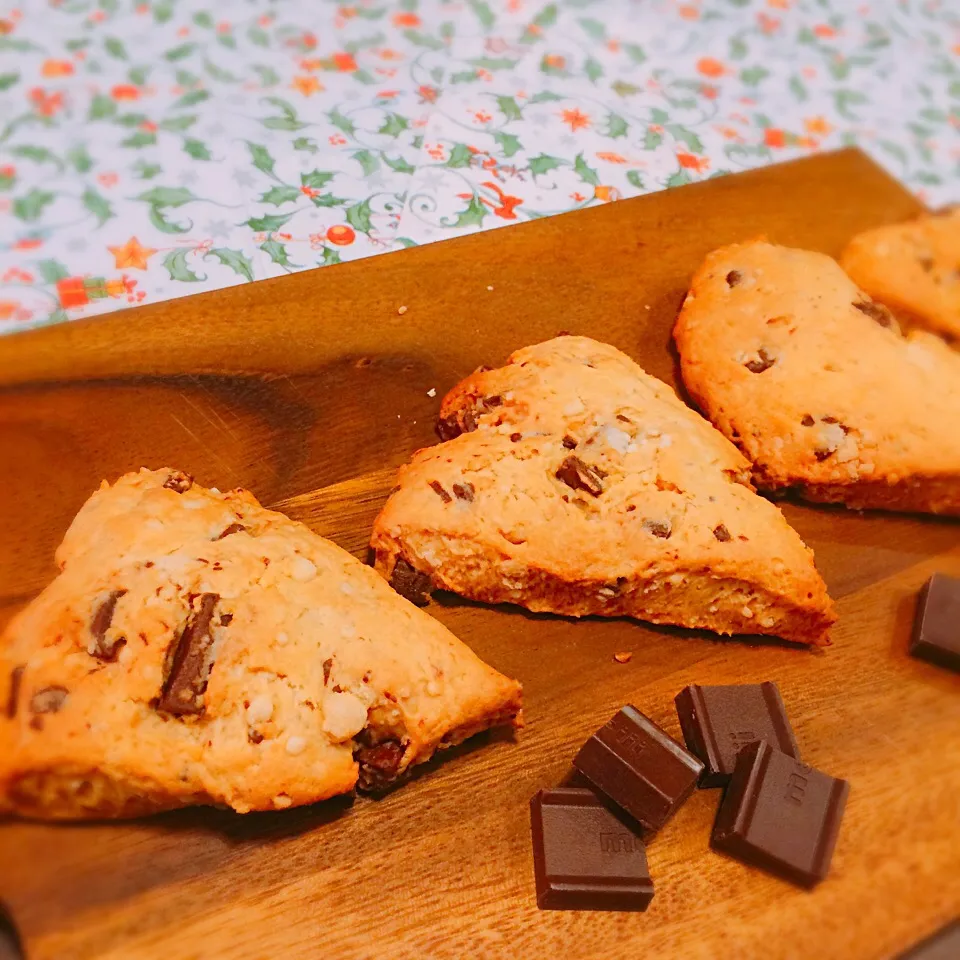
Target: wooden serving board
310,391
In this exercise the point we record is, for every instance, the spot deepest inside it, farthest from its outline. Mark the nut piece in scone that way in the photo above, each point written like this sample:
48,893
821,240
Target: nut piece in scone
572,482
913,268
816,384
199,649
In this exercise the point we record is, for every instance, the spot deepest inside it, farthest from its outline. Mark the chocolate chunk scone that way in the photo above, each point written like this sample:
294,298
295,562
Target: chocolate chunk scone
199,649
816,384
913,268
573,482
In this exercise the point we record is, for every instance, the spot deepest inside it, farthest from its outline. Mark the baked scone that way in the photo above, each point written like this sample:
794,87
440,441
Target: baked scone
572,482
199,649
817,385
913,268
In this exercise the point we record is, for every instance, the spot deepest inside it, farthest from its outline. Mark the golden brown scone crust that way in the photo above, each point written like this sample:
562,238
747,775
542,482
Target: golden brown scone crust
675,534
315,659
913,268
816,384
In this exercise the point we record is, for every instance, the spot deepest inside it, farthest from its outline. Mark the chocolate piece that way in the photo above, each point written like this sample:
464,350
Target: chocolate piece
763,361
437,487
877,312
178,482
658,528
448,428
233,528
734,277
780,815
464,491
584,856
936,630
721,533
48,700
411,584
942,945
717,722
11,946
102,649
13,697
569,442
579,476
186,683
639,767
379,763
327,667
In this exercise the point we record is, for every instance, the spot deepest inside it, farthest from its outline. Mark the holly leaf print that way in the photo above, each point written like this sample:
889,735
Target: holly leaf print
341,122
738,48
97,205
545,96
622,89
394,125
78,156
593,69
52,271
164,225
178,53
508,107
327,200
306,144
268,76
175,124
358,216
508,143
167,196
101,107
368,162
179,269
258,36
797,88
423,40
196,149
473,215
132,119
616,126
330,257
678,179
465,76
633,178
586,174
635,52
37,155
400,165
162,11
146,171
594,28
30,205
407,242
280,195
203,19
652,140
493,63
658,116
191,98
138,75
142,138
543,164
278,254
234,259
843,99
754,75
268,222
483,13
7,80
685,136
282,123
7,178
218,73
460,156
261,157
315,179
115,48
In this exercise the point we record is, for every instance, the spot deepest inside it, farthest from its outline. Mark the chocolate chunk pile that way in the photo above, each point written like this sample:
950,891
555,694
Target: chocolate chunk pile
777,813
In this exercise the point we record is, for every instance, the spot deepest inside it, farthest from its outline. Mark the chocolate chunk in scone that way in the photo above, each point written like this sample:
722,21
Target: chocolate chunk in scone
196,648
854,410
913,269
594,490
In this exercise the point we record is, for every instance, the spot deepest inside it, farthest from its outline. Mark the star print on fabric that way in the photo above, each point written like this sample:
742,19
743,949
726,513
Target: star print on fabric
132,254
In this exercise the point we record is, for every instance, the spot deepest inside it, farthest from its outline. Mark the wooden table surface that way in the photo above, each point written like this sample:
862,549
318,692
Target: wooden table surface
310,390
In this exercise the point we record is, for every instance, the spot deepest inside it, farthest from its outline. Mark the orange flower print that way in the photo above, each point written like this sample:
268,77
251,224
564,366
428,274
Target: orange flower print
577,197
606,194
223,27
149,126
337,140
388,54
427,93
710,67
824,31
46,104
344,62
56,68
7,309
125,91
341,235
767,23
612,157
28,243
817,125
310,192
481,116
576,119
306,85
709,91
406,20
773,137
689,12
690,162
507,203
107,179
554,61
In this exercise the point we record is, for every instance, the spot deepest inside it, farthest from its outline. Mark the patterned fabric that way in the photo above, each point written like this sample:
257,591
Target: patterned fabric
154,149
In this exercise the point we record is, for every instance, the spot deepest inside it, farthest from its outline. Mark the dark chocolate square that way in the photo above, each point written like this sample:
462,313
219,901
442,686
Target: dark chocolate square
584,856
780,815
936,630
717,722
639,767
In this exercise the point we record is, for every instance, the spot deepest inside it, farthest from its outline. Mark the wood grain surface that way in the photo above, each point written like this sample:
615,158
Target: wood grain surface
310,390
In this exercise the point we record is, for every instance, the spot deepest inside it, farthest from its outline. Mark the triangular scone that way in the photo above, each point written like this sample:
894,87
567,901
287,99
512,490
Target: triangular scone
575,483
816,384
197,648
913,268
